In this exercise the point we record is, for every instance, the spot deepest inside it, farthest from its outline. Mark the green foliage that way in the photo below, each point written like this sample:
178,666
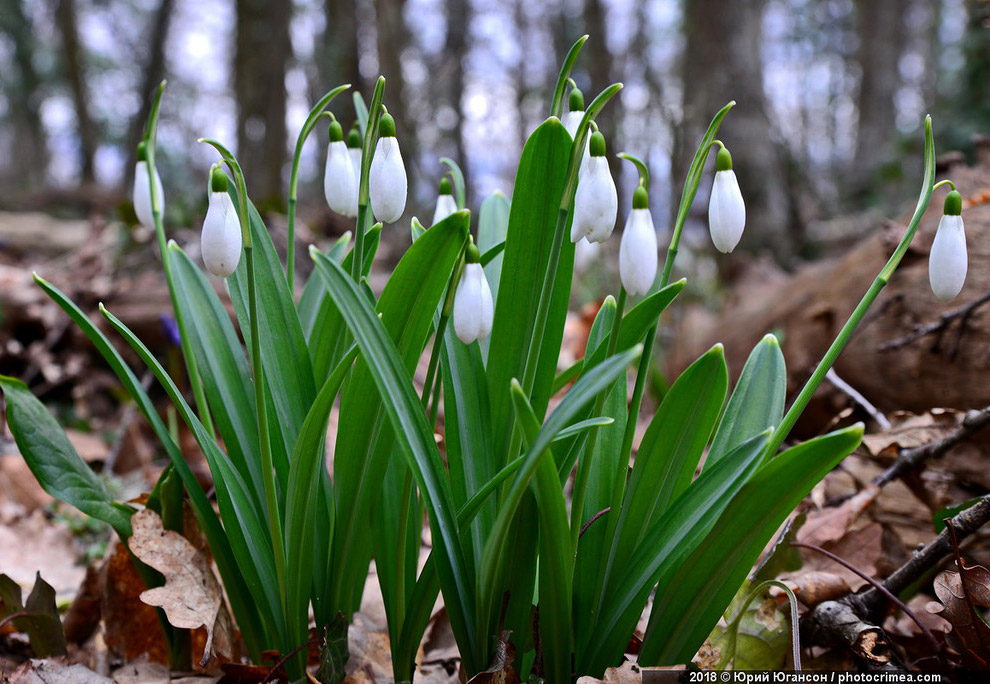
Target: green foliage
288,538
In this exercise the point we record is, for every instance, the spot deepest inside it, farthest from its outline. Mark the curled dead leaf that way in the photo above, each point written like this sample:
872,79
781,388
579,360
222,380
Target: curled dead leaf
191,596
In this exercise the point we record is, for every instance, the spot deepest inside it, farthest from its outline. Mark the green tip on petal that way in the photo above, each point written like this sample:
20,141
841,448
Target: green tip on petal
445,188
723,162
386,127
471,254
597,144
575,103
336,131
641,199
218,180
142,151
354,137
953,204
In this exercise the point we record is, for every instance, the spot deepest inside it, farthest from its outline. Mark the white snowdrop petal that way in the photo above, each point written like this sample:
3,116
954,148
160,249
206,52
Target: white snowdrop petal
726,212
339,183
387,182
221,238
467,304
947,262
142,194
487,305
638,253
596,204
584,254
572,121
446,205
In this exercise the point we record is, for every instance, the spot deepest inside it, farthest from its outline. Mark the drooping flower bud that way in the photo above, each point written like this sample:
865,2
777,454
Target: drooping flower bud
354,150
142,189
446,205
947,262
339,182
638,250
596,203
726,209
474,309
387,183
221,239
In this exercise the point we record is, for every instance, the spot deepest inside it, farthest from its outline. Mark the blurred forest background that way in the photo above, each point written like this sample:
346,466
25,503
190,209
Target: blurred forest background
831,94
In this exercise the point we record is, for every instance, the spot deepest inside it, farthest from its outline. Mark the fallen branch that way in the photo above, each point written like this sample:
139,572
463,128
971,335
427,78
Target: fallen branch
944,320
911,459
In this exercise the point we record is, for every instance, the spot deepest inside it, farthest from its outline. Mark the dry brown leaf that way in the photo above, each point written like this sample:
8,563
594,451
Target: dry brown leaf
369,652
501,670
909,430
130,627
970,633
831,524
55,671
191,596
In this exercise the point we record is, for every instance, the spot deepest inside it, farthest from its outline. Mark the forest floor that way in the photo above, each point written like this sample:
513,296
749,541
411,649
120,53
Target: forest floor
860,527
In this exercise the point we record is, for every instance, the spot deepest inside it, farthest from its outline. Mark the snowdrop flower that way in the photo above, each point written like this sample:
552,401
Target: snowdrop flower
726,210
473,306
445,202
387,182
585,254
574,115
354,151
142,189
638,250
596,202
339,182
221,240
947,261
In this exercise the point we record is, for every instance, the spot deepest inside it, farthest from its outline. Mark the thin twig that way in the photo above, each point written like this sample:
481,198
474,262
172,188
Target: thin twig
919,331
872,602
910,459
858,398
277,666
876,585
596,516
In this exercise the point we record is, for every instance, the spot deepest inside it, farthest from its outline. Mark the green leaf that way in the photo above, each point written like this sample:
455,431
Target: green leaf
243,522
756,403
302,505
493,224
555,552
289,378
691,600
53,460
415,439
467,428
670,450
583,392
757,635
664,545
460,188
241,599
41,622
406,306
536,199
314,291
222,366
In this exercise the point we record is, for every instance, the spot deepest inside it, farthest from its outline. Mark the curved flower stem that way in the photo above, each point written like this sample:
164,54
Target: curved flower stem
267,465
794,412
314,115
584,464
687,198
944,182
192,367
557,104
370,140
641,168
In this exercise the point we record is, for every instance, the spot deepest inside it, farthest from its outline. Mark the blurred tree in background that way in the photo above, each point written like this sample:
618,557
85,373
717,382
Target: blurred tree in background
830,92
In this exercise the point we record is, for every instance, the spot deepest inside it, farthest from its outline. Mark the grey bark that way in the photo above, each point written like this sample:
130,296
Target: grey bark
154,72
66,22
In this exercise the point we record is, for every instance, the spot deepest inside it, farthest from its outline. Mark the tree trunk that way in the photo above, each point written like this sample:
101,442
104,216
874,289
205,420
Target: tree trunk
29,140
154,72
340,61
721,63
451,78
261,59
881,30
65,19
392,40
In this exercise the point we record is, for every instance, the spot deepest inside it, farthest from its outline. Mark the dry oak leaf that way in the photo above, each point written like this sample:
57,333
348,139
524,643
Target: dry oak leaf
191,596
970,633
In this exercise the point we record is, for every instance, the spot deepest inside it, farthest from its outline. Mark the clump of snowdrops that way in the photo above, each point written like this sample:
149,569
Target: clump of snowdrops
485,295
